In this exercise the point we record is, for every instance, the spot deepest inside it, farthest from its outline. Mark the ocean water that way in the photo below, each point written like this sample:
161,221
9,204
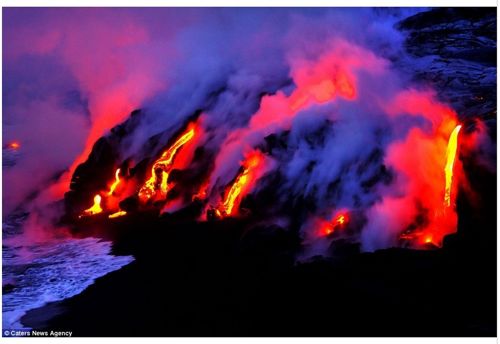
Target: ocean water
35,274
52,271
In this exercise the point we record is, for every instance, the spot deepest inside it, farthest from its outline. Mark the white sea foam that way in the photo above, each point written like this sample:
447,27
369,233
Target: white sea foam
52,271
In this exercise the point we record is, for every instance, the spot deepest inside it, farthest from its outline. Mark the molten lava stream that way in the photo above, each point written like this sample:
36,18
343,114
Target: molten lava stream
338,222
443,218
115,183
14,145
95,208
451,152
117,214
162,167
241,185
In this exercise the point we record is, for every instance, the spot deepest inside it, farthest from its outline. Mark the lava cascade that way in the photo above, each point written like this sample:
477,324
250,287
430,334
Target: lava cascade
242,184
451,152
158,182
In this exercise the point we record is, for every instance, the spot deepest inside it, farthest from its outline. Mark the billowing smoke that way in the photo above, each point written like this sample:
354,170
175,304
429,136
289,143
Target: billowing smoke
343,138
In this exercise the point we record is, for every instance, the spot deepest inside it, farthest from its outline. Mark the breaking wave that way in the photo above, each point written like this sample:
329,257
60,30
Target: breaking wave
42,273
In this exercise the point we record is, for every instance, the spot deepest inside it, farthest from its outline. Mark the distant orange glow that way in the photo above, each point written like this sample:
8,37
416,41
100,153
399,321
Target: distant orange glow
327,229
419,237
14,145
346,86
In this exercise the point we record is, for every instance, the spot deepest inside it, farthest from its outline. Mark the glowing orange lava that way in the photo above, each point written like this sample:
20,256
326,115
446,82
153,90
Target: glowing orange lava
161,168
442,218
117,214
341,219
202,193
422,237
115,183
240,186
94,209
327,229
451,152
14,145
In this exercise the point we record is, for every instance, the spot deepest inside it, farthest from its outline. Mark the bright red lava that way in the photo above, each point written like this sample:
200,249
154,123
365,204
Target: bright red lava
339,222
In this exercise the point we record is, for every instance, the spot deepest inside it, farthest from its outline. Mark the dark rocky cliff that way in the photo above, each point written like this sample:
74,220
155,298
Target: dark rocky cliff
454,49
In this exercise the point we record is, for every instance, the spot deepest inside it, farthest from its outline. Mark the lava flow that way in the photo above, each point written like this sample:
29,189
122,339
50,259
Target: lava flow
115,183
241,185
202,193
451,152
95,208
442,218
117,214
162,167
339,221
